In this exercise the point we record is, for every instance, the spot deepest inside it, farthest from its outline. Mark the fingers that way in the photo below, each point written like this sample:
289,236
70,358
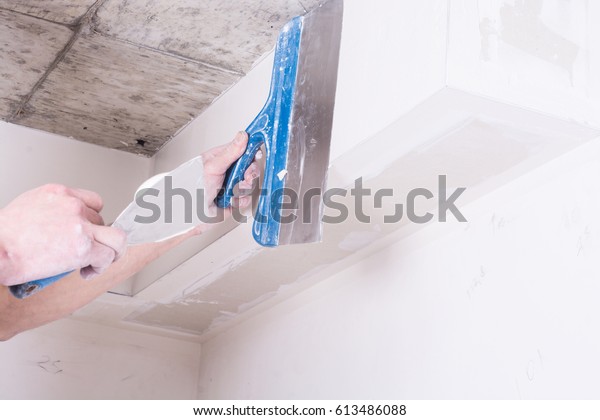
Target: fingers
242,202
113,238
108,243
89,198
252,172
108,246
224,156
101,258
216,163
246,186
93,217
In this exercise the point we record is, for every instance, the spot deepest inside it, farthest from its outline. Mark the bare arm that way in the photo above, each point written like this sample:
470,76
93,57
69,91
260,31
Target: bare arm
73,292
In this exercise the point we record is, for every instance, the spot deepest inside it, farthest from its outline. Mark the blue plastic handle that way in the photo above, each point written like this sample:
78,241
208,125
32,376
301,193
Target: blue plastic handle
21,291
271,127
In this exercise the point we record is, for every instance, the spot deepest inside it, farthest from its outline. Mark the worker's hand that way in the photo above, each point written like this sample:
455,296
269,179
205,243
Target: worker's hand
216,162
55,229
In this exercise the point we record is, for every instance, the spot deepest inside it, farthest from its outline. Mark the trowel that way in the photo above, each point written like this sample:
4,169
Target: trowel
295,128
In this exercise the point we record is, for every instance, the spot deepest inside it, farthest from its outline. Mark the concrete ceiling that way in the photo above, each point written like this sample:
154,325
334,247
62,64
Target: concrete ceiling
128,74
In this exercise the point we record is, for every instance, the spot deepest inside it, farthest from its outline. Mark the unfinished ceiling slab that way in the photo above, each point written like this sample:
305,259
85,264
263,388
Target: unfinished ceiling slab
122,96
228,35
23,61
128,74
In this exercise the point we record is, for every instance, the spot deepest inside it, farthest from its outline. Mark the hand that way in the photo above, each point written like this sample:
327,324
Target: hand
216,162
55,229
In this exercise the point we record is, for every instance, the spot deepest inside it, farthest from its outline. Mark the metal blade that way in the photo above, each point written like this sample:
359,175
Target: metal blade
312,118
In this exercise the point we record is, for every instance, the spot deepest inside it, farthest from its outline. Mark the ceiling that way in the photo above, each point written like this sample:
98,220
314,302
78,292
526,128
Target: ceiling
128,74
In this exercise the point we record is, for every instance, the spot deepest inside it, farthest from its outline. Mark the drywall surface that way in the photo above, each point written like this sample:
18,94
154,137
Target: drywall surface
393,57
543,55
74,360
31,158
504,306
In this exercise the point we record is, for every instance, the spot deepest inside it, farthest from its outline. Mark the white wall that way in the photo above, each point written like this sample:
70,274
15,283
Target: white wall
30,158
75,360
503,307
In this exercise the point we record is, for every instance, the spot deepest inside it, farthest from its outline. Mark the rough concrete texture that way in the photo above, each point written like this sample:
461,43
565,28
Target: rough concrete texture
60,11
230,35
28,46
122,96
128,74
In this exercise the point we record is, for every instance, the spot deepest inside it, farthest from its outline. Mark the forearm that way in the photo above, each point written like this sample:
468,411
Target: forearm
72,292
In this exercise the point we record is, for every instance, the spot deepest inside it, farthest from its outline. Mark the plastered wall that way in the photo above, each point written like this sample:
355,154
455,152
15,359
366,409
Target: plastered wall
75,360
505,306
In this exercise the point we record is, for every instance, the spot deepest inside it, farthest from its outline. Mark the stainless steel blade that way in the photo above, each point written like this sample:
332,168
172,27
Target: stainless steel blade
312,118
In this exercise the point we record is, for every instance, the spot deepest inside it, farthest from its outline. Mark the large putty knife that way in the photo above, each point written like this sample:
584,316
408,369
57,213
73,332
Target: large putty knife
295,128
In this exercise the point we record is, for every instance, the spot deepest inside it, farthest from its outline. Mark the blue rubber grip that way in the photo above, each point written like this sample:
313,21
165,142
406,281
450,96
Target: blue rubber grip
21,291
271,127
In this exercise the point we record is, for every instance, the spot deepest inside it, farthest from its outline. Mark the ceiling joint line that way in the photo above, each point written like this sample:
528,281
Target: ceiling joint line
177,56
67,25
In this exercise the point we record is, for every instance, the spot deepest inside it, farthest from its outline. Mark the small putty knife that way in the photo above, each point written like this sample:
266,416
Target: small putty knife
164,206
295,127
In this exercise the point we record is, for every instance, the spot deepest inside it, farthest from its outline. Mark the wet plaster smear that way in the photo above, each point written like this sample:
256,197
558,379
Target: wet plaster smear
166,205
